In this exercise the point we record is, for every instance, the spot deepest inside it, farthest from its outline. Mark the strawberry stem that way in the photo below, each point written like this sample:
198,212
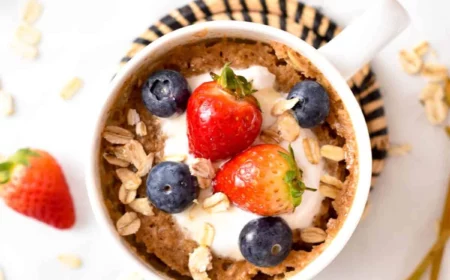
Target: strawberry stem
293,178
21,157
235,85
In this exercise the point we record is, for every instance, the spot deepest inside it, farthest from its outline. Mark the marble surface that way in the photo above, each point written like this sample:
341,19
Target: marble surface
87,38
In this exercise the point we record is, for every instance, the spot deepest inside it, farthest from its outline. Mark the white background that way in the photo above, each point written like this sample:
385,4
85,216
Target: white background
87,38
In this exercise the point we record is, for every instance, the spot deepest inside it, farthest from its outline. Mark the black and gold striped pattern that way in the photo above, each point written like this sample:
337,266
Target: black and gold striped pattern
296,18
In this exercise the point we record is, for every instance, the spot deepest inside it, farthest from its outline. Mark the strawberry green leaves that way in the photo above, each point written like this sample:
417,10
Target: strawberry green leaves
21,157
5,171
234,84
293,178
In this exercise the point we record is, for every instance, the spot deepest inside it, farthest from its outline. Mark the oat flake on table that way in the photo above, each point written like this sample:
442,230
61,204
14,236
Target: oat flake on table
70,260
6,104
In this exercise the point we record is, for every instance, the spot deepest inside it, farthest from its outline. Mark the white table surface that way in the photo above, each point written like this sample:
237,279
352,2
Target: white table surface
87,38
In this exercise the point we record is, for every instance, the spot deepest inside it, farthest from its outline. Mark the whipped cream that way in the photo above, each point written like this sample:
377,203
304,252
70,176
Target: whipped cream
228,224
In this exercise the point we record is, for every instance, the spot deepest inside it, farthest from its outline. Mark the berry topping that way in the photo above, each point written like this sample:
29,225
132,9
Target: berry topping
266,241
33,184
171,187
165,93
264,179
223,117
313,106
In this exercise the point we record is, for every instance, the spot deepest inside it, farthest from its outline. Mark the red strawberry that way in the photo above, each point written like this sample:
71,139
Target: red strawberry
223,118
33,184
264,179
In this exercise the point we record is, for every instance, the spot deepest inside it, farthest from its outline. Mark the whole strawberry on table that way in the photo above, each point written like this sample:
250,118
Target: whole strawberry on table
33,184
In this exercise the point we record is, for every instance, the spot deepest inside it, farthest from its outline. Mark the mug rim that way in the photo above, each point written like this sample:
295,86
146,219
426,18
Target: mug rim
268,33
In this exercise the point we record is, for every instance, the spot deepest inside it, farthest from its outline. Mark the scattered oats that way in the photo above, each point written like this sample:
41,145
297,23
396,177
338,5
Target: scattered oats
288,127
447,130
399,150
71,261
134,151
71,88
117,135
126,196
204,183
434,72
313,235
447,91
130,180
331,180
434,98
146,165
410,61
24,50
128,224
176,158
202,167
283,105
6,104
115,161
328,191
141,129
122,153
218,202
142,205
436,111
200,262
332,152
422,48
207,235
32,11
28,34
431,91
311,147
270,136
133,117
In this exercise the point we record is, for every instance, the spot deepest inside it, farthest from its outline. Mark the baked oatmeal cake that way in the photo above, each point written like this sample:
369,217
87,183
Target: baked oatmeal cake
183,195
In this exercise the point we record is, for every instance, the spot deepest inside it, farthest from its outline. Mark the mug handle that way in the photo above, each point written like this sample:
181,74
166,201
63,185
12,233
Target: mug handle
358,43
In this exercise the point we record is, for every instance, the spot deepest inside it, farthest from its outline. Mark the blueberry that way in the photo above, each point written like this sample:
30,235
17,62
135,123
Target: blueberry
171,187
266,241
165,93
313,106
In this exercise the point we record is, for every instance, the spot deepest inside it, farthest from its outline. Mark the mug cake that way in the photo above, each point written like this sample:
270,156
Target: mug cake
228,159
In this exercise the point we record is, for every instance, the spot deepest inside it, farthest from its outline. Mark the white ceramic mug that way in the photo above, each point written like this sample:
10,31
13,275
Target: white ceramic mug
338,60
